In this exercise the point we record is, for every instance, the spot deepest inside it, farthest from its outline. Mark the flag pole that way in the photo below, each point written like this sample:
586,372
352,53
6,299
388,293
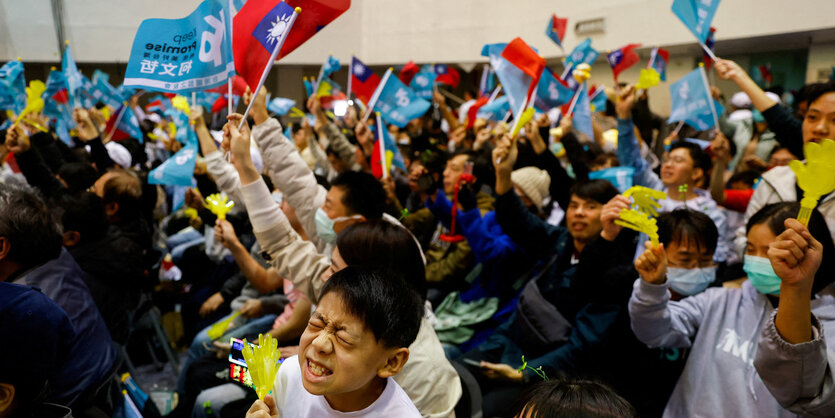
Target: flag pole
708,51
321,74
229,79
574,99
193,99
450,96
494,94
376,96
652,56
382,144
269,65
709,96
350,76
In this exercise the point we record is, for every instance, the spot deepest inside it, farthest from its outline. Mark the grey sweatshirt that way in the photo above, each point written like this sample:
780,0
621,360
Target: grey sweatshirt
722,327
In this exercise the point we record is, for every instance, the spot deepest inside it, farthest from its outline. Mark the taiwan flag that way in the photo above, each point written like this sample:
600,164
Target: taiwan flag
385,146
447,75
556,29
259,25
363,80
622,59
408,71
524,59
123,124
658,61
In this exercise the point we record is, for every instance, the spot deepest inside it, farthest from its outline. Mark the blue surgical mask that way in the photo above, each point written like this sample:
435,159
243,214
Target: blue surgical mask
324,225
761,275
688,282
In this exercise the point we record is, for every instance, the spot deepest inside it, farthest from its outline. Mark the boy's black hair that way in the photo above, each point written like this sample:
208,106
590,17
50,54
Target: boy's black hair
601,191
571,398
684,225
84,213
775,215
779,148
701,159
381,243
381,299
363,194
78,176
819,89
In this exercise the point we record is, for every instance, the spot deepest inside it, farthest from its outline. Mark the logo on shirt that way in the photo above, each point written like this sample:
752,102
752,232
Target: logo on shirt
734,345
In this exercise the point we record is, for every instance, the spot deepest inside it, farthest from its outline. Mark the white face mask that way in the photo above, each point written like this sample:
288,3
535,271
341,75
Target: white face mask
324,225
688,282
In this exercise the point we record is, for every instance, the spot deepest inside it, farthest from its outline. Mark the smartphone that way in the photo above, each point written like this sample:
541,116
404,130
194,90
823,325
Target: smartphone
236,354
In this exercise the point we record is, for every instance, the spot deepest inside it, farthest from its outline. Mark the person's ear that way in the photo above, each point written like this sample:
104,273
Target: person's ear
394,362
697,176
339,226
6,398
71,238
111,208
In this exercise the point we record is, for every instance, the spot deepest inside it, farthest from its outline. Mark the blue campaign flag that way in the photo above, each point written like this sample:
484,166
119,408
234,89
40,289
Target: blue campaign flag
620,177
63,131
330,66
692,102
280,105
288,132
55,97
87,94
107,94
423,82
308,87
71,73
207,99
582,53
514,81
398,104
696,15
494,111
127,123
582,113
12,86
488,81
550,92
392,151
183,55
179,169
239,4
100,75
598,99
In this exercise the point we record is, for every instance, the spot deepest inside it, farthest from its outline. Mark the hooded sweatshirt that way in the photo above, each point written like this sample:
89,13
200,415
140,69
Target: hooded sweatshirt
722,327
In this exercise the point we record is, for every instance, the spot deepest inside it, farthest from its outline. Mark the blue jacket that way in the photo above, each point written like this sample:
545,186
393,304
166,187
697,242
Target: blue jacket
91,359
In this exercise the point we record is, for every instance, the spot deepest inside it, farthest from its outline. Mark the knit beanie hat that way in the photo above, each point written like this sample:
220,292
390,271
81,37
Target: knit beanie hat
533,182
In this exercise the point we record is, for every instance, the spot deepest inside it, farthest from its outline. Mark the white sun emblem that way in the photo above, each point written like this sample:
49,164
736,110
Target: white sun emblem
359,69
277,30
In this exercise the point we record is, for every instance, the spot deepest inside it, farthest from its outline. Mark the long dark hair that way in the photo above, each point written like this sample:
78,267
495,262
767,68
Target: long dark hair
775,215
572,398
378,243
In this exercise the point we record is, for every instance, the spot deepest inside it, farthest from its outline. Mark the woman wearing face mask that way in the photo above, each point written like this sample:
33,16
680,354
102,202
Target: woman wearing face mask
721,326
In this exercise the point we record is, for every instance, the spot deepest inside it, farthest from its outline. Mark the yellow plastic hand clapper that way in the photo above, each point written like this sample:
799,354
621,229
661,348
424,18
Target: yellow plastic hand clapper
34,102
817,177
262,362
639,221
219,205
219,328
645,199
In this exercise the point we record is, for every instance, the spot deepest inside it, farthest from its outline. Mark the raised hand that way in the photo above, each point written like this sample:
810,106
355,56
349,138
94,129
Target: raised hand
16,140
504,157
86,128
795,255
610,213
625,102
652,264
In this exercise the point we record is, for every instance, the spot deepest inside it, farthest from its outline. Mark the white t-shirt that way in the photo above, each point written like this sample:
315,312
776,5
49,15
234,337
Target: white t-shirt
293,400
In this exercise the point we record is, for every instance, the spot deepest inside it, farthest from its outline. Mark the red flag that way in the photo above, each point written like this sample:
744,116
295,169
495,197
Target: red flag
408,72
623,58
472,112
251,57
447,75
219,104
118,134
523,57
363,80
238,87
558,26
765,72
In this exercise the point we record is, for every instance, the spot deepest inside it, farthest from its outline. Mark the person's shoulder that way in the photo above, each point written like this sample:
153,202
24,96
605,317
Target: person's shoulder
398,404
779,175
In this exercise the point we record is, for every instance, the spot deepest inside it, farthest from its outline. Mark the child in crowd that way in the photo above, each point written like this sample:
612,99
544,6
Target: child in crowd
571,398
356,340
721,325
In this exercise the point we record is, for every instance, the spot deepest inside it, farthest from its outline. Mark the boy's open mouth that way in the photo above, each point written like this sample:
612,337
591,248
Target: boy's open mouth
318,369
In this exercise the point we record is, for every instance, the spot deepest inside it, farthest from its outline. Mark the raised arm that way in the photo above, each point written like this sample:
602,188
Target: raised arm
629,151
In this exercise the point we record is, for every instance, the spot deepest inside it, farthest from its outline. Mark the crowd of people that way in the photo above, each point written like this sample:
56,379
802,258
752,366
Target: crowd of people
493,263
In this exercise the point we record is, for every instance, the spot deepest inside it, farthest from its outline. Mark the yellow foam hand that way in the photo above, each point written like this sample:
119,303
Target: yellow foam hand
219,205
817,177
191,213
645,199
639,221
582,73
262,363
219,328
524,118
648,78
34,102
181,103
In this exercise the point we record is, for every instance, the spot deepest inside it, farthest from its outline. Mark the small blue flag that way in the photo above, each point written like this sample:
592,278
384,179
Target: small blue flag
691,101
308,87
179,169
598,99
582,53
515,82
330,66
398,104
696,15
494,111
550,92
280,105
183,55
620,177
100,75
71,73
582,113
55,97
12,86
423,83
